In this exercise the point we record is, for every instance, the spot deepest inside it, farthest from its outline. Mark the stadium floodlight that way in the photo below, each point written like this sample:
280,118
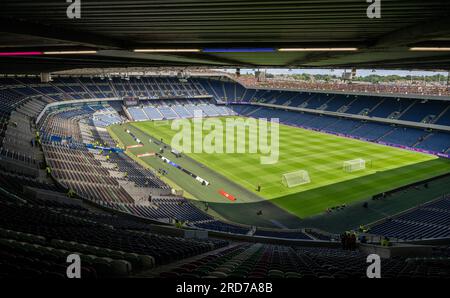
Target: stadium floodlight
238,50
4,54
317,49
69,52
430,49
296,178
354,165
166,50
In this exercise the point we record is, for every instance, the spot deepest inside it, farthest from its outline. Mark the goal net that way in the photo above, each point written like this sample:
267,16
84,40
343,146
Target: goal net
354,165
295,178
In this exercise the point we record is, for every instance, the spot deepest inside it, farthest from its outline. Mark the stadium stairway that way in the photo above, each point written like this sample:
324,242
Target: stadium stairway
440,117
386,134
423,139
161,271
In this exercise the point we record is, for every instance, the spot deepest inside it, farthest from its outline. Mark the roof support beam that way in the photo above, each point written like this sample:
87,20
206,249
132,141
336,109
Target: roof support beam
57,33
413,34
163,57
402,37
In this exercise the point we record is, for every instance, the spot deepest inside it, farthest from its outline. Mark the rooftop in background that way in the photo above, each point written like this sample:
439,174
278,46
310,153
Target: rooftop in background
418,88
226,33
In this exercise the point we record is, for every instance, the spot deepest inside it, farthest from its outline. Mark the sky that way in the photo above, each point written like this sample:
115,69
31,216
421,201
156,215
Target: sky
338,72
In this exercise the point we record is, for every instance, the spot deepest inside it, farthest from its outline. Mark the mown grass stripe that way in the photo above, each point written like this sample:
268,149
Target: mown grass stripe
322,156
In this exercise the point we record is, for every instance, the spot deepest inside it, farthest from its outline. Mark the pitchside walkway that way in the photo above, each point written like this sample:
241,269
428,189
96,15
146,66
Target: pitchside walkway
354,215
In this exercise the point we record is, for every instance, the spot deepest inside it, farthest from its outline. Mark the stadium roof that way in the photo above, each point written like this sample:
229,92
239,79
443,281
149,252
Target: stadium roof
229,33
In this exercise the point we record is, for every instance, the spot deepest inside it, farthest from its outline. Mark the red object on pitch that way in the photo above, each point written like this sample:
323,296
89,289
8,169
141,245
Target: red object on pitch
227,195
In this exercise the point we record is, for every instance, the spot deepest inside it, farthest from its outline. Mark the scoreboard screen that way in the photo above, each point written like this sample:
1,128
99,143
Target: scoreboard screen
130,101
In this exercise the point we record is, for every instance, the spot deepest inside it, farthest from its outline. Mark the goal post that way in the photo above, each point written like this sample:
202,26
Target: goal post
354,165
296,178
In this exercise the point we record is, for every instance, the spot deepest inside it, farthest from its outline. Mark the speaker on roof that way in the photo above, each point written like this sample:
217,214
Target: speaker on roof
46,77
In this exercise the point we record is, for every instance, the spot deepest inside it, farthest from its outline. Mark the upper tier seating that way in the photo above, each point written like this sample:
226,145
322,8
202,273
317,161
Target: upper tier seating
407,109
14,90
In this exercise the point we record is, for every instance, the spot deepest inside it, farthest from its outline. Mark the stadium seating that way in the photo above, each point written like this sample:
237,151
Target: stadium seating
109,245
281,234
276,261
110,222
168,208
222,227
436,141
424,111
404,136
385,107
429,221
372,131
162,111
30,97
338,85
67,88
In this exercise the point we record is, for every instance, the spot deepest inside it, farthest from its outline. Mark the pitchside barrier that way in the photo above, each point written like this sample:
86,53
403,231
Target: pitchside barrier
106,149
168,161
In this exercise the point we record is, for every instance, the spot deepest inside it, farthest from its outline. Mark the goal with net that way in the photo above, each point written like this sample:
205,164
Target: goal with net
295,178
354,165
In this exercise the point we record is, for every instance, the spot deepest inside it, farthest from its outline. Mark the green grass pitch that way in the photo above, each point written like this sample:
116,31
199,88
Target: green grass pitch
322,155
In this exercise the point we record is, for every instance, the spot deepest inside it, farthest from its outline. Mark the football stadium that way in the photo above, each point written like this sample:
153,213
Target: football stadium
224,139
